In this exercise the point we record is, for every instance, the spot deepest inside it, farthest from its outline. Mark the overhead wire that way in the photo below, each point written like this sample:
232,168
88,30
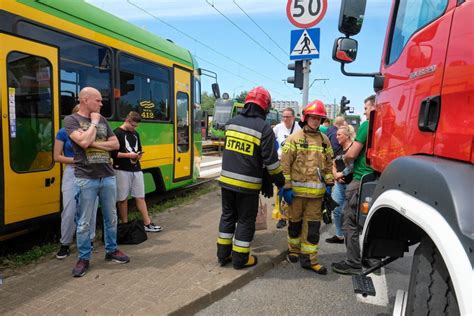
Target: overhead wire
206,46
330,94
198,41
237,75
246,34
226,70
261,29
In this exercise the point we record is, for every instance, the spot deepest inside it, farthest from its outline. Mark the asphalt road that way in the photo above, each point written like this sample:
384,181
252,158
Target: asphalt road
289,290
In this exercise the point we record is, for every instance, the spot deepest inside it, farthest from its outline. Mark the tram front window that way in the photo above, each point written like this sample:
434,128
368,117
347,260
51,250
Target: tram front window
222,111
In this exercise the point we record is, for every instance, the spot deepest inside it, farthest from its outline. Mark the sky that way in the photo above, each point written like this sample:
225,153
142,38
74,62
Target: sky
248,43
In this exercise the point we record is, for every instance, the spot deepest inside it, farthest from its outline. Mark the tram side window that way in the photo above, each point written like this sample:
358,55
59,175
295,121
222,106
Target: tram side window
182,107
30,111
144,88
82,64
197,91
198,113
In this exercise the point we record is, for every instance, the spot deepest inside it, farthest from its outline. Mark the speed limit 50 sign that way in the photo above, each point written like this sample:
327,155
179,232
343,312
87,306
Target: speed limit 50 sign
306,13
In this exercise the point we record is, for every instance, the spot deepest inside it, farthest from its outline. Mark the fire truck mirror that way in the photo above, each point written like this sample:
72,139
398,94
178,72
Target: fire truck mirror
344,50
351,16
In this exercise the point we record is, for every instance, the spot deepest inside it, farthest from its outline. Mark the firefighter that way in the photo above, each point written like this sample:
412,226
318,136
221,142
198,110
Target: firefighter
306,163
249,148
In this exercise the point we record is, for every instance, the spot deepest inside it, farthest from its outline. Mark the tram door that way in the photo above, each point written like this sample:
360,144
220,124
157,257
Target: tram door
29,106
183,144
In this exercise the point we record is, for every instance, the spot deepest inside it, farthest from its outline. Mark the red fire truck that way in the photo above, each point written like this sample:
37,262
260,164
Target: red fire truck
421,146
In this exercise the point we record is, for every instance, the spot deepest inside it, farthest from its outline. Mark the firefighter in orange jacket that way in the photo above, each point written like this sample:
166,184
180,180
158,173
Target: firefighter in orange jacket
249,147
306,162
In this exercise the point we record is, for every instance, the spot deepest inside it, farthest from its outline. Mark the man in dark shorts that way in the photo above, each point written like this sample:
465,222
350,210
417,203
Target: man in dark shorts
129,172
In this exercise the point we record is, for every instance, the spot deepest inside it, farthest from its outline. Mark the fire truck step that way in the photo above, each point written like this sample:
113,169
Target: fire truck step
363,285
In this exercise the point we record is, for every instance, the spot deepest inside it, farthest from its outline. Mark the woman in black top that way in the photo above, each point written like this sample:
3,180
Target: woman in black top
342,175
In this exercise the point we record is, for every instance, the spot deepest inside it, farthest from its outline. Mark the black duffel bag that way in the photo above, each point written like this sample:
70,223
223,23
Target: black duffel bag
131,233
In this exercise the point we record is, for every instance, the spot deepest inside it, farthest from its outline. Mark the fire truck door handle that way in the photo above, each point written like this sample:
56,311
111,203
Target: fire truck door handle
429,114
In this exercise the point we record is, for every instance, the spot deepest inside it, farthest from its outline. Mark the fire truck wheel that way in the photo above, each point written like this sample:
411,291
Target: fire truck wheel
431,290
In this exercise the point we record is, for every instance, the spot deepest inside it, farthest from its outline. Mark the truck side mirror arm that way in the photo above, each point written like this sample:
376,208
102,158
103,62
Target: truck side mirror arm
378,77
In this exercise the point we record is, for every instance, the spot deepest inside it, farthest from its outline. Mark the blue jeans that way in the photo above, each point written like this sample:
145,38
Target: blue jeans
338,195
68,215
87,191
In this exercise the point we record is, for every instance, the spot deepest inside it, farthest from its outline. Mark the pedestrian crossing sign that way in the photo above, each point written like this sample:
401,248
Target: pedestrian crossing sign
304,44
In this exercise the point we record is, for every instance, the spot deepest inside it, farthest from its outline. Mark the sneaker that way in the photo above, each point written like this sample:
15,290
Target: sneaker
117,256
63,252
292,258
281,223
344,268
80,268
335,240
152,228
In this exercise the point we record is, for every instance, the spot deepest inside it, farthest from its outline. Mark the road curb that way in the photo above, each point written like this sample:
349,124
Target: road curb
204,301
208,299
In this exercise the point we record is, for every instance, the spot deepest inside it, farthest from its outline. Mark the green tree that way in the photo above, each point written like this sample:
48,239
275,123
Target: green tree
207,101
241,97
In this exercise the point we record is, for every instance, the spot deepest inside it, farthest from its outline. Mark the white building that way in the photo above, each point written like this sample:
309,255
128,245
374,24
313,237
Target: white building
281,105
332,110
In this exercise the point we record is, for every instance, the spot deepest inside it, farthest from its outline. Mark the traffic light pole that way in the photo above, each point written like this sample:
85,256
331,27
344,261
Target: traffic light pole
306,68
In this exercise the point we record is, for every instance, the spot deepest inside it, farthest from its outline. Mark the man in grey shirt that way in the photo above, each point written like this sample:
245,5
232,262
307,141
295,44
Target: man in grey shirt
92,141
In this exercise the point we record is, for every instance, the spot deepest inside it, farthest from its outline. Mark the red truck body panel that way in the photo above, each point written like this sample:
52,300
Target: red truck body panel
437,61
455,135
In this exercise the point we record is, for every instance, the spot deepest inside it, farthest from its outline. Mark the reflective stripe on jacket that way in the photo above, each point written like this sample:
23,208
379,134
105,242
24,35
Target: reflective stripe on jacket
249,147
304,152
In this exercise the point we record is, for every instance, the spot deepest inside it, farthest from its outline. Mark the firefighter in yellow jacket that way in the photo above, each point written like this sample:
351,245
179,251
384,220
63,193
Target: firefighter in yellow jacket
306,162
249,148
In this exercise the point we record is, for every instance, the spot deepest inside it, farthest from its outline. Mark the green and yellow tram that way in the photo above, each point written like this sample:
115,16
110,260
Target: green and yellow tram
225,109
272,118
49,51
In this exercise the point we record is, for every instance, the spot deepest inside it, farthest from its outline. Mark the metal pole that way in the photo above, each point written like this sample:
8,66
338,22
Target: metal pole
306,66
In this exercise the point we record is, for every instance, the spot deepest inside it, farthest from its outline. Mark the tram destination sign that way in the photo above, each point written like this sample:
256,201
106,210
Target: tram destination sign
306,13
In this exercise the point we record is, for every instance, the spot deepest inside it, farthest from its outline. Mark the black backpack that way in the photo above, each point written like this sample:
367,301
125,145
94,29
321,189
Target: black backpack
131,233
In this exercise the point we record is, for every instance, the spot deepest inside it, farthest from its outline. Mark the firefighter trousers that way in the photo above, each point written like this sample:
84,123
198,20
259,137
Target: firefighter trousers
304,222
237,226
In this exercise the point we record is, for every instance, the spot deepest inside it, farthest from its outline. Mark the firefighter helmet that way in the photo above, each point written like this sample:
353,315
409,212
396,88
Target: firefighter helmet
314,108
261,97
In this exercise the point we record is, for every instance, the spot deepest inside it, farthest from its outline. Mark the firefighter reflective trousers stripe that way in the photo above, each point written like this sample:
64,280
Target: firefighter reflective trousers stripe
304,221
237,226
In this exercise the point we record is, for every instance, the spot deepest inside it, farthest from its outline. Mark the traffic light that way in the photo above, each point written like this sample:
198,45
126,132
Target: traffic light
344,102
297,79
